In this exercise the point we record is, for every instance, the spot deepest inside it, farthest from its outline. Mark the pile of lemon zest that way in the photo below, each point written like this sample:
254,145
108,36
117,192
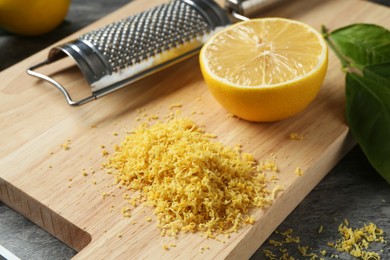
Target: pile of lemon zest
193,184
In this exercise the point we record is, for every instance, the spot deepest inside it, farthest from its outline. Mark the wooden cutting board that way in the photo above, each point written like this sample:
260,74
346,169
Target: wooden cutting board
45,182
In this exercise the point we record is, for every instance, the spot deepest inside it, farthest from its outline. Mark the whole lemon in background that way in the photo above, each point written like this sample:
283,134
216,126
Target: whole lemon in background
32,17
265,69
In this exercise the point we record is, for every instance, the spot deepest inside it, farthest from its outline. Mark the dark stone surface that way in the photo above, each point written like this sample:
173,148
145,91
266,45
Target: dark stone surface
352,190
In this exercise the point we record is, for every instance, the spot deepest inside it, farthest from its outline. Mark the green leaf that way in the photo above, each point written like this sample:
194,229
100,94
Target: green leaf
378,71
364,51
359,45
368,115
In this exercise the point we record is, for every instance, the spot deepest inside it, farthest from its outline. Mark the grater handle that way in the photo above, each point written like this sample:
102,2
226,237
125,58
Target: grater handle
242,9
31,71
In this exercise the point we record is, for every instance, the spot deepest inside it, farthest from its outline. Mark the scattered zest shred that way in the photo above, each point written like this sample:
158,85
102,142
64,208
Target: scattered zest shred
295,136
353,241
320,229
298,171
356,241
177,105
66,145
276,190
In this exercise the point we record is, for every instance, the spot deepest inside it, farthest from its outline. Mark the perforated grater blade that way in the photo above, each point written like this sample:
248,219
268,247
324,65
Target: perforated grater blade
137,46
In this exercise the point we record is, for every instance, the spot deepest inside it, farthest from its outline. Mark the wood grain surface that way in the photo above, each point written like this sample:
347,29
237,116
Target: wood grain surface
45,182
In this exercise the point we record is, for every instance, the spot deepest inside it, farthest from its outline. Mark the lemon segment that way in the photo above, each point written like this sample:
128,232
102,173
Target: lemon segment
265,69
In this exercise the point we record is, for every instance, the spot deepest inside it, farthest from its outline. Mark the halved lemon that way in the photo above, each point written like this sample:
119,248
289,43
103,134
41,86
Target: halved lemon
265,69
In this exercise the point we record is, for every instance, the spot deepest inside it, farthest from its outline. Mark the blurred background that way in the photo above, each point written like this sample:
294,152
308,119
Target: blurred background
352,189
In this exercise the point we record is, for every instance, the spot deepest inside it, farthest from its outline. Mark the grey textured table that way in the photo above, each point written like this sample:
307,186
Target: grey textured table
352,190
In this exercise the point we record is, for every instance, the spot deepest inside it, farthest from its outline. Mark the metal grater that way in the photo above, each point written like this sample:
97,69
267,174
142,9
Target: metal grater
137,46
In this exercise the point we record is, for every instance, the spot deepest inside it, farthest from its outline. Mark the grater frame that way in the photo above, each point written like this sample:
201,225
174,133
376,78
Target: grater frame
99,66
